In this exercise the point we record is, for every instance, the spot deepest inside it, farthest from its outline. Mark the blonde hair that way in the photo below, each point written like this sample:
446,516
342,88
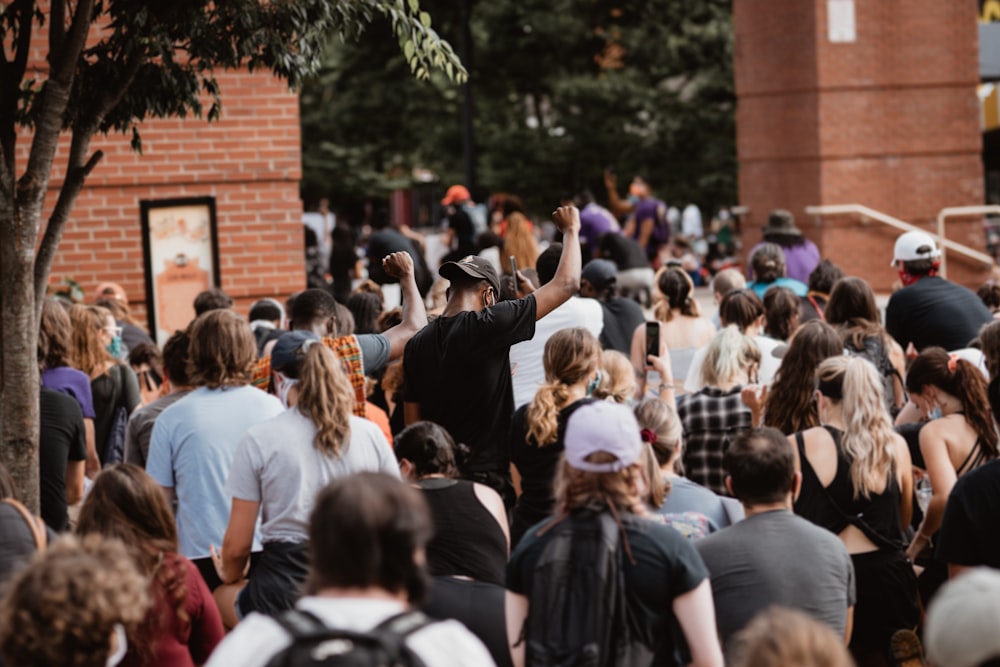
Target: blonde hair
868,433
781,637
89,352
519,242
729,353
656,489
660,418
326,398
618,381
571,356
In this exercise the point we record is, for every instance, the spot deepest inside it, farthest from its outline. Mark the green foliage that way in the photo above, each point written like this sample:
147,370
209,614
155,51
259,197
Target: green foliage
169,51
562,89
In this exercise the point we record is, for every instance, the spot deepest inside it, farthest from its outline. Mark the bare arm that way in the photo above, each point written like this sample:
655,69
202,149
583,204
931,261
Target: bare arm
411,413
493,503
74,481
566,282
696,614
617,205
645,232
942,474
849,625
904,472
238,540
400,265
93,465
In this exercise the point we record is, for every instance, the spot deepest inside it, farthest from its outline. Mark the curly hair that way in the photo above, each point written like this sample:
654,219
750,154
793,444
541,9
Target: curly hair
126,504
55,335
571,356
790,407
61,610
676,287
89,352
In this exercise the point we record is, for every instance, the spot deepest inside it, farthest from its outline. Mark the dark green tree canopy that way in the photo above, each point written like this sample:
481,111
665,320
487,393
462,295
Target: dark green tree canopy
562,89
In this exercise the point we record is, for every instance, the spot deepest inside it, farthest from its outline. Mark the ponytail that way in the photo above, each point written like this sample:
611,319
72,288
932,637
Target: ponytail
971,389
571,356
325,398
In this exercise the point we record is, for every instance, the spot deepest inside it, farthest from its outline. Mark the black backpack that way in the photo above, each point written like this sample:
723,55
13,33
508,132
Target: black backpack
580,614
874,350
314,643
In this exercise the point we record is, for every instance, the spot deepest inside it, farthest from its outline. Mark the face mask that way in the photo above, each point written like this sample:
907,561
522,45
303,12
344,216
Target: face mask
121,646
594,384
284,388
935,413
114,348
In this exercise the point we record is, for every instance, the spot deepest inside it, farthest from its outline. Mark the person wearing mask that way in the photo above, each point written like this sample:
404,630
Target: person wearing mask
471,341
930,310
113,385
278,468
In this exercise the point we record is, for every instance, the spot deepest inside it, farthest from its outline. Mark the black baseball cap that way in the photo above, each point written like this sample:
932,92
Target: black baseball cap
472,266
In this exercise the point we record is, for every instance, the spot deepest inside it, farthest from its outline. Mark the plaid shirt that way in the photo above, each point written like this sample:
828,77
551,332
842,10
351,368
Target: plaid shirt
711,419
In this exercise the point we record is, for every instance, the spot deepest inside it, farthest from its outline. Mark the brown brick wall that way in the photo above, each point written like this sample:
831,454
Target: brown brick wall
890,121
250,161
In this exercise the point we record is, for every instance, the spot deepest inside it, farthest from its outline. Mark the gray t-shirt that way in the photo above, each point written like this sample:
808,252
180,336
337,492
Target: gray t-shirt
276,465
140,427
374,352
688,496
777,558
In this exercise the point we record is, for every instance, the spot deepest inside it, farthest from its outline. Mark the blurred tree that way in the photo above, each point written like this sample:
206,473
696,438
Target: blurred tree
105,65
563,88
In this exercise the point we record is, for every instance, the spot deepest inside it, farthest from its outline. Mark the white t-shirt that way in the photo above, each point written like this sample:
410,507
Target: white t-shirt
277,465
258,638
526,358
765,374
191,450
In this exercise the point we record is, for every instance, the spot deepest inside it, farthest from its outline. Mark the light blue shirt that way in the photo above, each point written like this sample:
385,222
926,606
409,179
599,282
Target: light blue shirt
191,451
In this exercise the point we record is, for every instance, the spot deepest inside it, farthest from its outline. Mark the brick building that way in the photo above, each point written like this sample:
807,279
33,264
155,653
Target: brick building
886,117
249,161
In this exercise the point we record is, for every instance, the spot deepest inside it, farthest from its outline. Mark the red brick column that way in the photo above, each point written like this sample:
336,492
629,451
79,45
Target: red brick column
889,121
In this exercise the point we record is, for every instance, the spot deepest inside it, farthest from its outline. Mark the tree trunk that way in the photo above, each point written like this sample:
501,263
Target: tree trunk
19,360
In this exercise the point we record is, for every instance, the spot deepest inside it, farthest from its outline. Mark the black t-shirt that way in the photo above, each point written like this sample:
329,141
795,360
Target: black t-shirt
969,531
465,232
537,467
382,243
458,369
666,567
933,311
626,253
621,317
61,439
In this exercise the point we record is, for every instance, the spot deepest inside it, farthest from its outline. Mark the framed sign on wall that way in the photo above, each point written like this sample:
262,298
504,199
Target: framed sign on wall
181,251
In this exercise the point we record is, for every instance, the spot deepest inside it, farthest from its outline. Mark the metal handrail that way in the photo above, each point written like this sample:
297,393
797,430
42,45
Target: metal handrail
944,243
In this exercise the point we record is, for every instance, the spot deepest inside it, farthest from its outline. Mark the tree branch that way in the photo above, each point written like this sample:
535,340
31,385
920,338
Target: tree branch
76,176
11,76
57,25
48,125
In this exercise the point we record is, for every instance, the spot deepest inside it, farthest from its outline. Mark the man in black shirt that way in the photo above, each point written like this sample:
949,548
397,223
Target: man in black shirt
621,316
457,369
969,535
62,453
930,310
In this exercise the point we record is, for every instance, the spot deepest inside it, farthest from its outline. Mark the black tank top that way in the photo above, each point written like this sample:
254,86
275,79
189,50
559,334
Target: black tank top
835,507
468,541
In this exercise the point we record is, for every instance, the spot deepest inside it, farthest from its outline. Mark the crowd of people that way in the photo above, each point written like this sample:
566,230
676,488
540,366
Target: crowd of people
520,464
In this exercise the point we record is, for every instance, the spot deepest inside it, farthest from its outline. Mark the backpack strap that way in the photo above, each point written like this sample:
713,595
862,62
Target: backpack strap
391,634
35,524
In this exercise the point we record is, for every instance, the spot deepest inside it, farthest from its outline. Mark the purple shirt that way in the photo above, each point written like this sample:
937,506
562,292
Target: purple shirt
800,260
70,381
646,209
595,222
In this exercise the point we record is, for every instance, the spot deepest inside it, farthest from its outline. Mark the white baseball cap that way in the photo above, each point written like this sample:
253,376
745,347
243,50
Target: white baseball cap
963,620
913,246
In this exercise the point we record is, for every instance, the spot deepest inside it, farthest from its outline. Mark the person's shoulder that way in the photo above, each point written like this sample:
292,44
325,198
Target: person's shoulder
364,427
59,401
252,643
448,643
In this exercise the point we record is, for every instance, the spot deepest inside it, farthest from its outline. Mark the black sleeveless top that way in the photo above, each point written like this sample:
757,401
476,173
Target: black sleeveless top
835,506
467,541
